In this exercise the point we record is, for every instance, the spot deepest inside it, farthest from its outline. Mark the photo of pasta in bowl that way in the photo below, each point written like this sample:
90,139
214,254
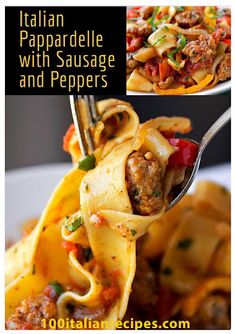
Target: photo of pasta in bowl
178,50
106,250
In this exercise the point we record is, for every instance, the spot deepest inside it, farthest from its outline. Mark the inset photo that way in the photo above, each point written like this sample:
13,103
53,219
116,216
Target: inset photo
178,50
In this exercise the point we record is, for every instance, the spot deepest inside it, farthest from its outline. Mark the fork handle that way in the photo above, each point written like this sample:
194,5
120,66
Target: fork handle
214,129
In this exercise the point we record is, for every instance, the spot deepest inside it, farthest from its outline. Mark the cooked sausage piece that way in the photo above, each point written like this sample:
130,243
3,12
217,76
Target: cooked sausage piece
202,50
224,71
131,64
143,29
31,312
143,177
144,296
213,313
146,12
187,18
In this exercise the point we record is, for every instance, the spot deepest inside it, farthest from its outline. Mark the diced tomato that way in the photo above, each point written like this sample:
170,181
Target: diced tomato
27,325
151,67
166,302
72,247
224,18
67,137
217,35
133,13
97,220
165,70
128,39
185,154
109,294
50,292
135,44
227,41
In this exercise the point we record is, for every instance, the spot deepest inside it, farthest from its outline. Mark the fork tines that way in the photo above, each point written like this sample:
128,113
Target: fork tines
85,116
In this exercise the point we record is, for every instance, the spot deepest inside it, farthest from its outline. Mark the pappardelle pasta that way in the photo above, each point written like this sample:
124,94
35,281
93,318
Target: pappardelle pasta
177,50
79,261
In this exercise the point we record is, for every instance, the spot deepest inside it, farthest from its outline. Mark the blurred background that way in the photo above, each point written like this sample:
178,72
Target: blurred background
35,125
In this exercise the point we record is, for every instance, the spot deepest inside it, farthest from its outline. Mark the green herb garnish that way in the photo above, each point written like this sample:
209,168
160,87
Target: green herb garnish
182,40
147,45
161,20
87,163
133,232
134,195
167,271
157,193
74,225
57,287
171,54
180,8
185,243
88,255
160,40
154,24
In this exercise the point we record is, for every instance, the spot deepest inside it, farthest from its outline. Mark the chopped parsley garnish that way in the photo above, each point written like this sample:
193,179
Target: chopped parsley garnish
153,17
185,243
57,287
87,163
73,225
167,271
160,40
182,40
166,28
147,45
157,193
154,24
86,186
161,20
88,255
133,232
134,195
180,8
171,54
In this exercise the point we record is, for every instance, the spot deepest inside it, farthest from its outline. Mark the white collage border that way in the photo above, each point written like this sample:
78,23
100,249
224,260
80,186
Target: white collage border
92,3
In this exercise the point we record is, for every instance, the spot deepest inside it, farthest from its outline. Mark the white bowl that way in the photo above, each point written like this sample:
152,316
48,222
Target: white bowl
218,89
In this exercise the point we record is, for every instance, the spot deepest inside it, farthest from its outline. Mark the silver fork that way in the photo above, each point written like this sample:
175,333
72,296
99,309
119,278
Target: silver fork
84,106
208,136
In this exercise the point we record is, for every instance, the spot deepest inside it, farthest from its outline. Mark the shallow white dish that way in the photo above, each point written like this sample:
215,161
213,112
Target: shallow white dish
218,89
28,190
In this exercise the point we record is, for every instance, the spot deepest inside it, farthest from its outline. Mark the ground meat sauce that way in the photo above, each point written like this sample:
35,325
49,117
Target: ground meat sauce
224,71
143,177
213,313
141,30
131,64
150,300
144,289
31,311
201,50
187,18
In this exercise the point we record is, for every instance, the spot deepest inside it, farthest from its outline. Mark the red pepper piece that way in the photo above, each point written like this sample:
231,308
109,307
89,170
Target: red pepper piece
185,154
